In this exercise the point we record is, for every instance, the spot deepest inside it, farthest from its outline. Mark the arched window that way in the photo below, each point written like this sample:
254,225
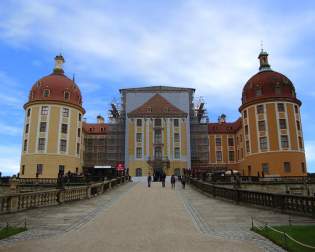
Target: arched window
138,172
67,95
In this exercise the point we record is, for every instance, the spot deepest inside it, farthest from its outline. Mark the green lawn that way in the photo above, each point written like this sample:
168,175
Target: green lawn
9,231
301,233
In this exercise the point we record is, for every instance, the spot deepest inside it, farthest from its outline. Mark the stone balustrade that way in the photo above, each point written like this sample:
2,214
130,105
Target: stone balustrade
14,202
285,203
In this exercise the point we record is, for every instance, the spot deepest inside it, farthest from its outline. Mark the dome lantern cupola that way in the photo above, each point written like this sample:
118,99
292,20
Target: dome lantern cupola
59,60
56,87
267,85
263,60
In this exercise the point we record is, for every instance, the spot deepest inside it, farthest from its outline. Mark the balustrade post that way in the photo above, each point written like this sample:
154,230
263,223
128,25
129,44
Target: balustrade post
61,196
88,191
238,196
213,191
13,203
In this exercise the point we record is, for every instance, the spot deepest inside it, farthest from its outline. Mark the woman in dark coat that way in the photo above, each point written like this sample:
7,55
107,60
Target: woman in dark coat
149,180
173,181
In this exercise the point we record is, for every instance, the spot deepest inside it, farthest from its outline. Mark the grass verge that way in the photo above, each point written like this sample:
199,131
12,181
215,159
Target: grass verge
302,233
9,231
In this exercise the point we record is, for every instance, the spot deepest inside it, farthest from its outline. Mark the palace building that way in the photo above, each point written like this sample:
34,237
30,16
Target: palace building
162,129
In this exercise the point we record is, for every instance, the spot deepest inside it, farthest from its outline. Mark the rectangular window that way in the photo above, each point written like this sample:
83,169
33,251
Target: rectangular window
39,169
139,152
176,123
296,109
79,132
298,125
157,136
303,167
245,114
247,147
287,167
28,112
23,169
218,141
246,129
157,122
139,137
42,126
158,153
301,143
64,128
265,168
261,125
263,143
63,145
65,112
177,153
280,107
231,155
78,148
284,141
25,145
61,169
41,144
176,137
139,122
44,110
80,117
26,128
219,155
282,123
231,141
260,109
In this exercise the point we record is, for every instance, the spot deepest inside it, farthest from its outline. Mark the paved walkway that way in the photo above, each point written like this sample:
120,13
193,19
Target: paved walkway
136,218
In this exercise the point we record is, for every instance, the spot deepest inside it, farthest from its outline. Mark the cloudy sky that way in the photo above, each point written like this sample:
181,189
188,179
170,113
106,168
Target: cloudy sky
209,45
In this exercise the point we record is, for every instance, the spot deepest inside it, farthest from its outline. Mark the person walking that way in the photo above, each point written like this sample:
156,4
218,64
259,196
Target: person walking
163,179
183,182
173,181
149,180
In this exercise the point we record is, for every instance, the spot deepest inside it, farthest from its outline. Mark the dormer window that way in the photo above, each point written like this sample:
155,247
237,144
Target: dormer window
277,89
67,95
258,91
46,92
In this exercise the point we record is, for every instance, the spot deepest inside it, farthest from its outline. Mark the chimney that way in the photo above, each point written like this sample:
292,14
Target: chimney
100,119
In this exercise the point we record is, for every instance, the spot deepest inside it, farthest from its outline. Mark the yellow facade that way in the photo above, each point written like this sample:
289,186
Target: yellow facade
171,163
46,157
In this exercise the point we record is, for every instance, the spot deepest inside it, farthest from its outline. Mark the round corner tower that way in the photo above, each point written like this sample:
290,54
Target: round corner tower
271,125
53,126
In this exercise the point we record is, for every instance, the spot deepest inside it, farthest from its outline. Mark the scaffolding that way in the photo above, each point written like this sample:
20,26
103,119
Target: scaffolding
106,148
199,136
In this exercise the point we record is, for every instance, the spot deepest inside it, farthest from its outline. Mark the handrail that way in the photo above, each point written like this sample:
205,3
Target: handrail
285,202
18,201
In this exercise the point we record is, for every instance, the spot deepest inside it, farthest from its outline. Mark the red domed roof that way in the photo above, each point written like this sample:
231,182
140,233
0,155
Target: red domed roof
56,87
268,85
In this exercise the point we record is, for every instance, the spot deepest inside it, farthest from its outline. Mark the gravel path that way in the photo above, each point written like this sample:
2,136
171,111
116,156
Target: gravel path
136,218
